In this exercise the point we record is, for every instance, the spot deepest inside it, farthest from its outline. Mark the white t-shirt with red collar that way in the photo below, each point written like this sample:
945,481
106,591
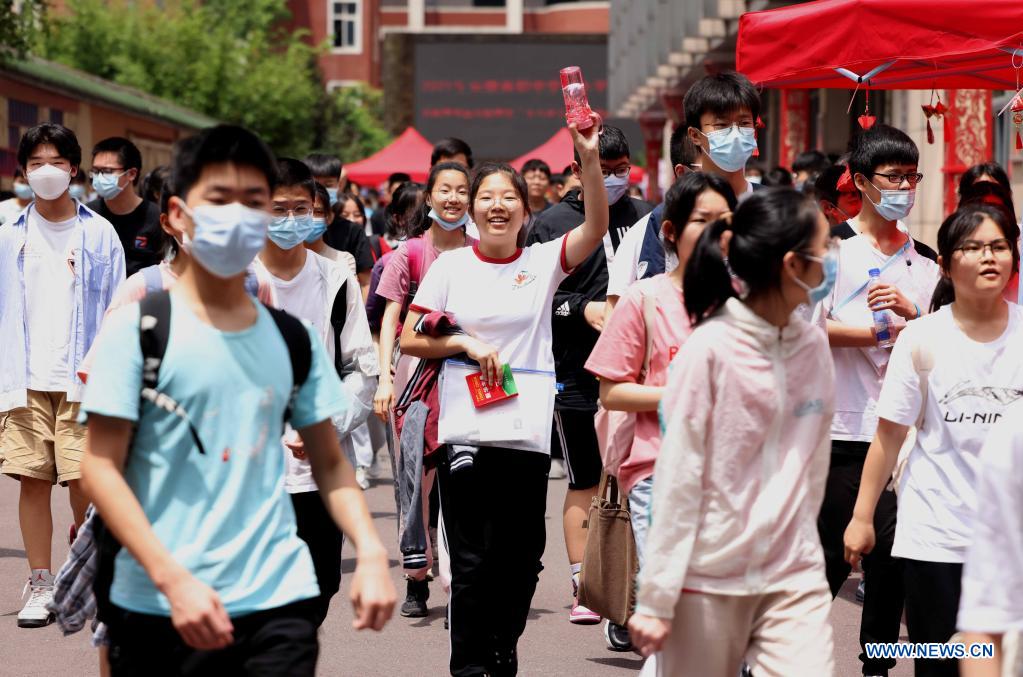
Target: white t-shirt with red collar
503,302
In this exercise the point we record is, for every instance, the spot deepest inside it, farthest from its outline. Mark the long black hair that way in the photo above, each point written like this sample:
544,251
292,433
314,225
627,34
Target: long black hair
764,228
401,210
958,228
993,169
421,222
680,200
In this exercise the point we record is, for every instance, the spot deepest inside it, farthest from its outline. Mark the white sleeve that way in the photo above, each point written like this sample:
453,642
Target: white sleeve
677,493
622,271
900,399
992,586
433,288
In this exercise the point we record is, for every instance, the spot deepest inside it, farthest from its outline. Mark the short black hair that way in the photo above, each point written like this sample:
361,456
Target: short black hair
322,164
611,145
720,94
779,176
811,162
217,145
294,173
992,169
398,177
450,147
58,136
322,195
558,179
881,145
128,154
681,149
19,173
153,183
827,183
537,165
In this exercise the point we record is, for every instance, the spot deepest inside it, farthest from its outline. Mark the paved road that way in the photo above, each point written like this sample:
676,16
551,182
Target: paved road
551,646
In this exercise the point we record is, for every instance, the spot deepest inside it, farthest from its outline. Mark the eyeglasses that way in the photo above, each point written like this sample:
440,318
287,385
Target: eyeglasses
449,194
897,179
508,201
105,171
619,172
280,212
974,249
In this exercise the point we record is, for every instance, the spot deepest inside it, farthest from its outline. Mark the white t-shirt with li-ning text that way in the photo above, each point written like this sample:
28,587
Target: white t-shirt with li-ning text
49,299
503,302
968,390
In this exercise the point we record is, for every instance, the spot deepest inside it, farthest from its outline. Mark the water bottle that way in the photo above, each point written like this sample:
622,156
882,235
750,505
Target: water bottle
577,106
884,327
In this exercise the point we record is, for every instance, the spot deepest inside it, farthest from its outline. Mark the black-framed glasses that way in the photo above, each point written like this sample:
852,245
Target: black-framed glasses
619,172
894,179
105,171
974,249
280,212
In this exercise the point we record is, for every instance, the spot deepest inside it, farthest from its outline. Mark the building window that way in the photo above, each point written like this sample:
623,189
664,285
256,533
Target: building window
21,113
56,116
346,24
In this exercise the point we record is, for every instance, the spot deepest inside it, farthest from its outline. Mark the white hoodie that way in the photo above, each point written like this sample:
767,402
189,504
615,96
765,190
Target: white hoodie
740,478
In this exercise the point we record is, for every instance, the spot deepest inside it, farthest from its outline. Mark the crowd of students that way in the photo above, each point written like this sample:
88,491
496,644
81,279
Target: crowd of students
812,390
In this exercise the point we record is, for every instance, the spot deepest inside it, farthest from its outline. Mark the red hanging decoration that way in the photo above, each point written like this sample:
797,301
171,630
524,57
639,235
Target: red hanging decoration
845,181
1017,118
932,109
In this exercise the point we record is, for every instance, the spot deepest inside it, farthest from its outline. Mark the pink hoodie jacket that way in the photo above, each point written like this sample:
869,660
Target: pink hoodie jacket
740,477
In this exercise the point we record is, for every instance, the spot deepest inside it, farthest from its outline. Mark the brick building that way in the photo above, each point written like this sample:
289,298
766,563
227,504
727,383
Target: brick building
34,91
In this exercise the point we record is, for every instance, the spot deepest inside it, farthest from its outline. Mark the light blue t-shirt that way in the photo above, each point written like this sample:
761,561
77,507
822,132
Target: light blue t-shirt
225,515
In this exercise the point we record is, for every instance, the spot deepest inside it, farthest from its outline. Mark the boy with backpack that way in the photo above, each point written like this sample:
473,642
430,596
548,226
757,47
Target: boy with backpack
186,404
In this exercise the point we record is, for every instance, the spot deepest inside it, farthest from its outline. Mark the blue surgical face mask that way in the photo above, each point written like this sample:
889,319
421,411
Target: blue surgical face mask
23,191
227,237
731,148
447,225
107,186
287,232
616,188
332,192
319,228
895,204
829,263
77,191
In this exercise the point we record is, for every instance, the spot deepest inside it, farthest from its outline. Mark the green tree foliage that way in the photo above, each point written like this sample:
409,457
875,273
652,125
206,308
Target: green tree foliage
235,61
19,23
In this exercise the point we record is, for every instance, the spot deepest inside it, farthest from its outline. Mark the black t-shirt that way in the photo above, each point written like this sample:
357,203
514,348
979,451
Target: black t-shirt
378,221
140,233
573,338
347,236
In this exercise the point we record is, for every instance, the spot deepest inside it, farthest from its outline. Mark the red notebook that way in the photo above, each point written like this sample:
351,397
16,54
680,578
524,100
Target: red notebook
484,395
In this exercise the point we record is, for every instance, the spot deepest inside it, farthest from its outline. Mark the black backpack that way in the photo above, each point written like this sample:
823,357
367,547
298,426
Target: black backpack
154,336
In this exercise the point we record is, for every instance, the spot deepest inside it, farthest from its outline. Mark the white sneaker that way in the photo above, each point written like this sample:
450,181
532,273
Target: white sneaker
35,614
360,477
557,469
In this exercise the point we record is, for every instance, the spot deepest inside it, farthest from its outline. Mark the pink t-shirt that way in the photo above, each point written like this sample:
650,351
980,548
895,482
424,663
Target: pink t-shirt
394,282
618,356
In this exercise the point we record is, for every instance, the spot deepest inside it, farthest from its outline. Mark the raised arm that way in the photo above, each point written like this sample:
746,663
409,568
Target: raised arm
584,239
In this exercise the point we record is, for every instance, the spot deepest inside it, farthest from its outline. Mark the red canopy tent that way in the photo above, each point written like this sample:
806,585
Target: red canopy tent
557,153
883,44
409,153
955,45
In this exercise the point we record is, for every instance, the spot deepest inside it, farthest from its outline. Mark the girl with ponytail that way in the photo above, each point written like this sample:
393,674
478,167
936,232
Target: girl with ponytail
952,374
732,549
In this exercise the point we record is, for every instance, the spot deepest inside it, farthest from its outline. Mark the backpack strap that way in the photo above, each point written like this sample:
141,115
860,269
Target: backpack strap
338,315
153,279
154,335
415,272
300,351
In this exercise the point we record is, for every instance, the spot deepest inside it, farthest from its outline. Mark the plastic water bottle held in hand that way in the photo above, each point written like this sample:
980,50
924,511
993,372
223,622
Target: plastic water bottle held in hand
884,326
577,106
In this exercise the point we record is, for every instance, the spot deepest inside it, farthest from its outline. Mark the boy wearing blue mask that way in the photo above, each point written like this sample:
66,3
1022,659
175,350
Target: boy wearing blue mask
722,111
883,165
578,317
116,166
325,294
190,477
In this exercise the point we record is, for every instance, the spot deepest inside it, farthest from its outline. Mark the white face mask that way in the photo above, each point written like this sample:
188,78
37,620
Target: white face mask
48,182
616,188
